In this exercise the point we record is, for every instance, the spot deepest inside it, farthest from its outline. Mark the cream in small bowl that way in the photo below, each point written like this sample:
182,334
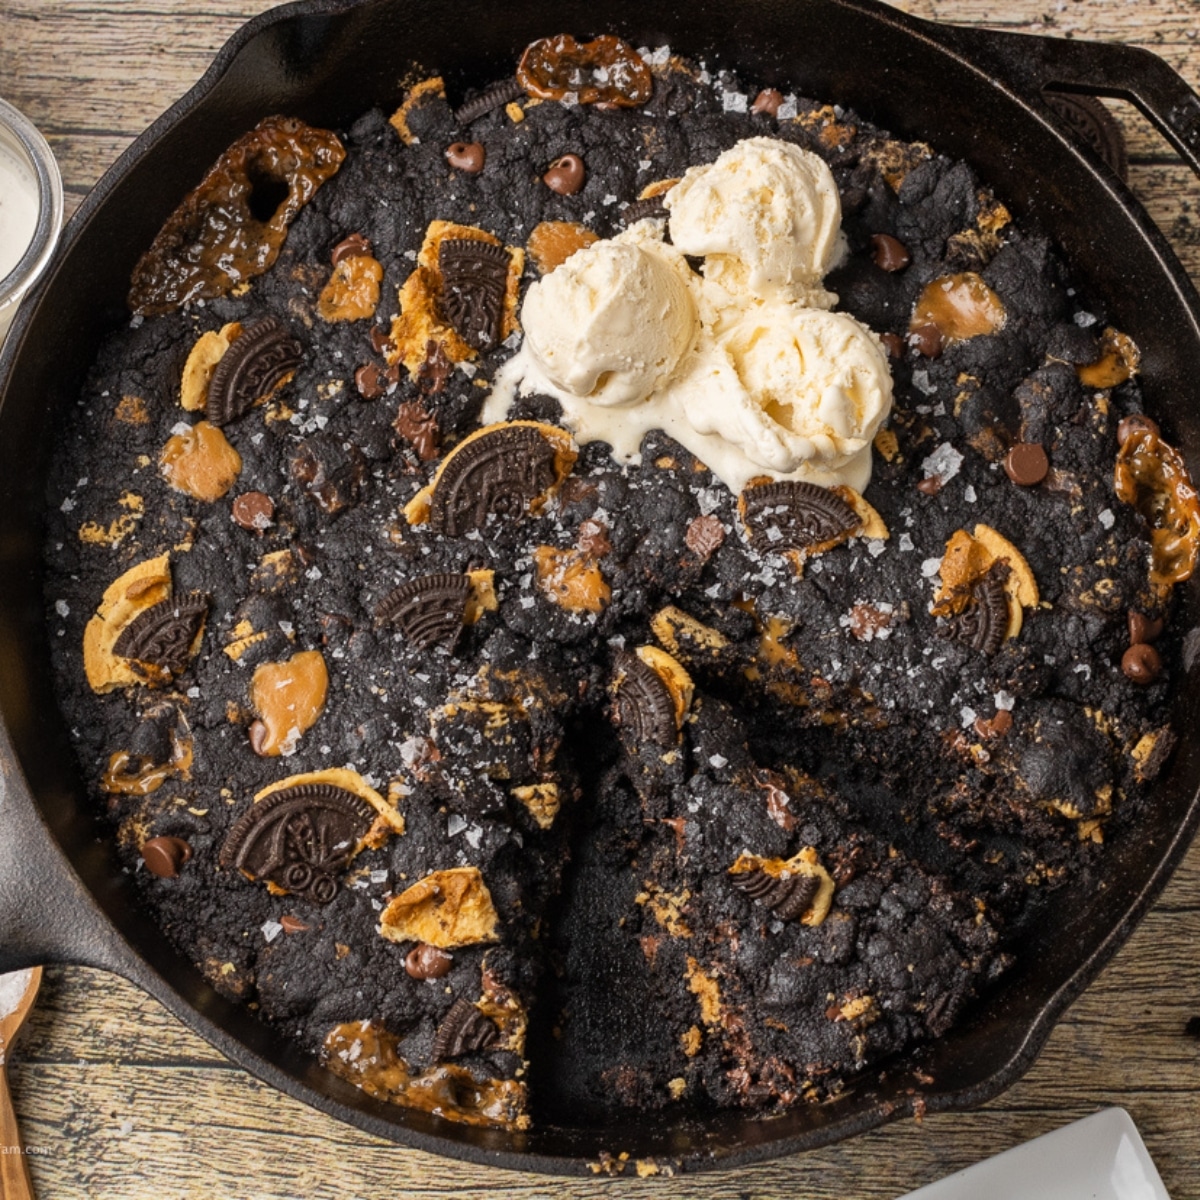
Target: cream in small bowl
31,209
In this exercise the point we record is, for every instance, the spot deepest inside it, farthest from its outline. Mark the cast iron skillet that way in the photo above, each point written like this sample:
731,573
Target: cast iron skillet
974,95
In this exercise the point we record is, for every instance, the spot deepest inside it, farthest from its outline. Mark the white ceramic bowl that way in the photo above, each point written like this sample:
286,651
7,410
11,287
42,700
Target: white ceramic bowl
29,163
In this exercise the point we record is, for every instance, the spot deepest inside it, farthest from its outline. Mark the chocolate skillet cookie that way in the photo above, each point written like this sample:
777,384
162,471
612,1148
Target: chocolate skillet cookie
611,591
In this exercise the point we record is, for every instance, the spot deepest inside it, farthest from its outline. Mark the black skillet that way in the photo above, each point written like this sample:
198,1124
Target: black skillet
975,95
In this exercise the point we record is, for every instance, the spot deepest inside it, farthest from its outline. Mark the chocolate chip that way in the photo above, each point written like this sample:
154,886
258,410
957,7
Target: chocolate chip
1141,664
253,511
464,1030
330,471
779,803
1142,628
370,381
417,426
163,634
466,156
474,284
164,856
435,369
1135,423
381,339
292,924
889,253
566,175
491,98
258,733
1027,464
256,363
355,246
424,961
592,538
428,610
767,101
500,472
893,343
926,340
298,838
794,515
998,726
705,535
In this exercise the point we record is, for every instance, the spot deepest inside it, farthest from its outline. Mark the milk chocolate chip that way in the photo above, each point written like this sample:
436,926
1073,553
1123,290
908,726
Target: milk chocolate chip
1135,423
428,962
1141,664
466,156
253,511
1142,628
767,101
1027,464
355,246
370,381
164,856
889,253
926,339
565,175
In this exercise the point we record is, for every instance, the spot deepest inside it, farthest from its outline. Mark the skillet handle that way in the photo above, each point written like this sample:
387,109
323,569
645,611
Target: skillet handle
1029,65
47,915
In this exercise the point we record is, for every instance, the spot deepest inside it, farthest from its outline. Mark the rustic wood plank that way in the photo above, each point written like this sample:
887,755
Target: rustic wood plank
126,1102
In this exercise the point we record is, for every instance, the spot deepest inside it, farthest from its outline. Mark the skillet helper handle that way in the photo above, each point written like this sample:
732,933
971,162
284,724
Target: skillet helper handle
1031,64
15,1183
47,915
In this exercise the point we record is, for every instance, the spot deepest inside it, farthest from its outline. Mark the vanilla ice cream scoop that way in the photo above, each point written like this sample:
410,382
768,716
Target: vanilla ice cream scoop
613,321
766,215
791,387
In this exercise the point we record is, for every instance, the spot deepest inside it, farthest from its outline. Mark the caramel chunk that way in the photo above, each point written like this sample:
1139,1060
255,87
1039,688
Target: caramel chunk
959,306
552,242
288,698
352,293
541,801
571,579
200,462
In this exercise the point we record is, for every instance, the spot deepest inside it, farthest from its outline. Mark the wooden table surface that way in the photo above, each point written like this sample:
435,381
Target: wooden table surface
119,1100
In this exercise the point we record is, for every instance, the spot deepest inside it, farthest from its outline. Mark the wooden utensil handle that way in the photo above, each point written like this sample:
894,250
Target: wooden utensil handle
15,1183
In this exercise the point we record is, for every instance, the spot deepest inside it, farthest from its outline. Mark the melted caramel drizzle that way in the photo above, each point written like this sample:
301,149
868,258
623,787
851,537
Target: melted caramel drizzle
231,226
1119,359
1152,476
368,1056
